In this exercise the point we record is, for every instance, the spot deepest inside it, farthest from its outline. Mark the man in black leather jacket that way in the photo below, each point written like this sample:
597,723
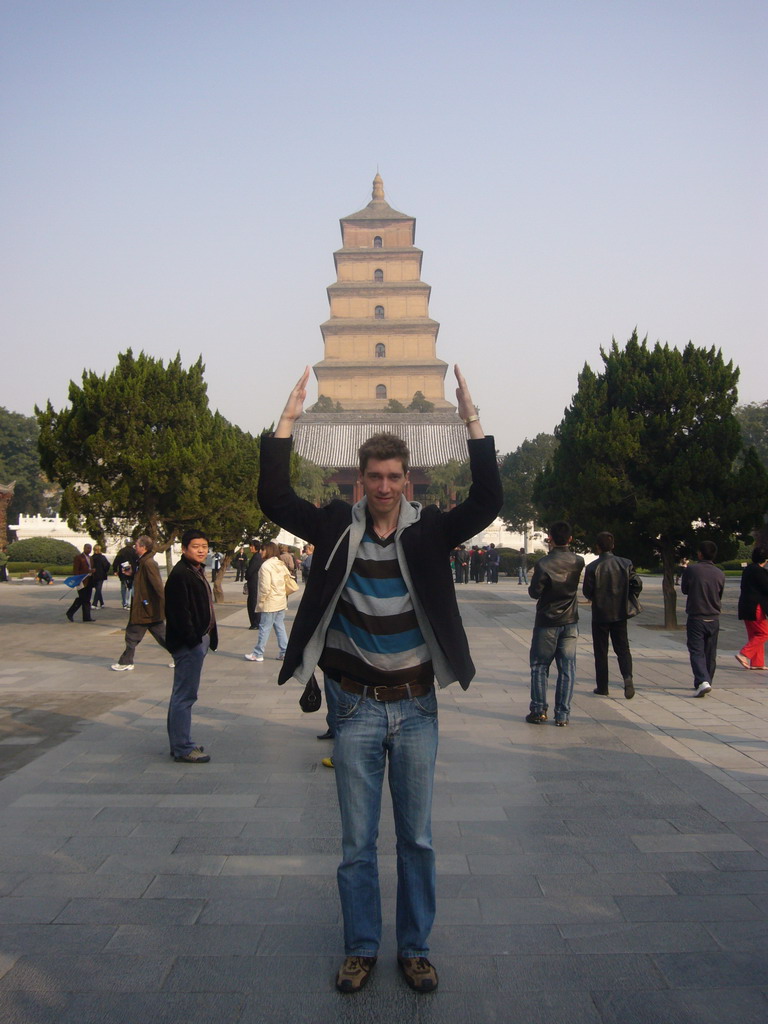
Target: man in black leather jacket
555,586
612,585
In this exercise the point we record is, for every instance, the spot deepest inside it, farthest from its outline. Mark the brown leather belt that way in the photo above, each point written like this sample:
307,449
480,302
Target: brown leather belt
404,691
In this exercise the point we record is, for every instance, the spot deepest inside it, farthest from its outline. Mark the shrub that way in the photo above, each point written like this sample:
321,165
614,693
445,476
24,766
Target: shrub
27,567
44,550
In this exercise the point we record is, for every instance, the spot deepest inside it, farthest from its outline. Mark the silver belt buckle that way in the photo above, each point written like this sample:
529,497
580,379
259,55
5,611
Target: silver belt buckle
375,693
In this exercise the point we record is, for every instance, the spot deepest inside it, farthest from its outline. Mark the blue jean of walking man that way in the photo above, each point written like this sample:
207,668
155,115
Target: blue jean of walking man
400,738
558,644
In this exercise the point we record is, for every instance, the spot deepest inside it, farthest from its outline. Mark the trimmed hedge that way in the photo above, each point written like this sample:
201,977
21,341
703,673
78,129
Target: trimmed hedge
25,567
42,551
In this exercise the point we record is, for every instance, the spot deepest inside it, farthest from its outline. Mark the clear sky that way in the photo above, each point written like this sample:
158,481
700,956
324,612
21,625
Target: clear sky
174,172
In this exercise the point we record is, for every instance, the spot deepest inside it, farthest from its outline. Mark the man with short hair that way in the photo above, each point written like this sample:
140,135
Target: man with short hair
190,633
82,565
124,565
703,583
379,616
147,605
555,587
613,586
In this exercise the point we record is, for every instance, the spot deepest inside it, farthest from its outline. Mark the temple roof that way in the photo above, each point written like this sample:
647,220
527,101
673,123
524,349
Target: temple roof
378,208
332,439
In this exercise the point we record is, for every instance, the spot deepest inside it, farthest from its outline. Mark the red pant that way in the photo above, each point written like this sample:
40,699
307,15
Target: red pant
757,632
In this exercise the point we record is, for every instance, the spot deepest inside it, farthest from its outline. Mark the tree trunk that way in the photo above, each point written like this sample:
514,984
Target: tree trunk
168,561
218,590
668,586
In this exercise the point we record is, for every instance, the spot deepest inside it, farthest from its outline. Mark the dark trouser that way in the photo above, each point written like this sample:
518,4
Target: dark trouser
134,634
253,596
618,634
186,683
701,638
97,598
83,600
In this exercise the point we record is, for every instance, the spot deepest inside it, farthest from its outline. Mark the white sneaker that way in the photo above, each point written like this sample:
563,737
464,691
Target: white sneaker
117,667
171,664
254,657
702,689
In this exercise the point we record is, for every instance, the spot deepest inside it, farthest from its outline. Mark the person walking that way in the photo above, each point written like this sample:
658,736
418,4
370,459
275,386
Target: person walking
555,587
379,616
124,566
190,633
272,602
252,582
522,568
613,586
100,574
703,583
147,605
82,565
753,610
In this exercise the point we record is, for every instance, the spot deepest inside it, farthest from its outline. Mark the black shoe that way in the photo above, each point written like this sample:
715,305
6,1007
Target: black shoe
536,718
70,617
629,690
601,693
327,735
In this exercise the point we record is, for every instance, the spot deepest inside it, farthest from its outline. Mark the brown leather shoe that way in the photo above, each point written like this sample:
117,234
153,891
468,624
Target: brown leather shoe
354,973
419,973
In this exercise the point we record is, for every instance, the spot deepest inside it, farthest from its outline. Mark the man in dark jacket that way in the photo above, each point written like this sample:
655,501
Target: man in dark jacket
190,632
82,566
555,586
252,582
379,616
147,605
703,584
613,586
124,565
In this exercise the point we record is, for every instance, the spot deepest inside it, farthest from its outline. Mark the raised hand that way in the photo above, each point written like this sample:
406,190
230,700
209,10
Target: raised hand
294,407
467,407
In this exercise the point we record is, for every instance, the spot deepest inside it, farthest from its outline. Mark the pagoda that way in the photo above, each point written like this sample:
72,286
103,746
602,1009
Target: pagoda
379,345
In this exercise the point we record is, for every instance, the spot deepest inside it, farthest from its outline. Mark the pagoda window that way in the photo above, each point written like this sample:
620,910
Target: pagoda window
379,313
378,275
377,242
381,351
381,391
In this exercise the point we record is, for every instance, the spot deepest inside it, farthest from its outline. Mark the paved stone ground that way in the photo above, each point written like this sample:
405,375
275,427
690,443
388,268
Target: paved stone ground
614,871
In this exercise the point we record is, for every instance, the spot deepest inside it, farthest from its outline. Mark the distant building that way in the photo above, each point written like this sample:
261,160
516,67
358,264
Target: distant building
380,344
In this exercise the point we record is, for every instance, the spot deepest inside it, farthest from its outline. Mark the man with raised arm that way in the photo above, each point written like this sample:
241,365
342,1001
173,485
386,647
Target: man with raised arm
380,618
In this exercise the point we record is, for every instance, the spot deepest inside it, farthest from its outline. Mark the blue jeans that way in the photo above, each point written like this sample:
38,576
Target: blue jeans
125,593
701,640
556,643
186,682
368,732
330,704
266,621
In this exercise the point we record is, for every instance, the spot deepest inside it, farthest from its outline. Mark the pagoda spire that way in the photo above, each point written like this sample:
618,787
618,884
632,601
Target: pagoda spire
378,188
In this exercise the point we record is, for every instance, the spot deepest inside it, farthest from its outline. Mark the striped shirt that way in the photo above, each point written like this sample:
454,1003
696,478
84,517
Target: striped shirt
373,636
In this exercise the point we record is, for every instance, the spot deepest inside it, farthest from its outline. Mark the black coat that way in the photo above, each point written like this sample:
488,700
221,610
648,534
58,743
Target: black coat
608,583
426,544
188,608
754,591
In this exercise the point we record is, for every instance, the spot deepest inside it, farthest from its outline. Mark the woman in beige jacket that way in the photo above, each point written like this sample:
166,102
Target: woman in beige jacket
271,602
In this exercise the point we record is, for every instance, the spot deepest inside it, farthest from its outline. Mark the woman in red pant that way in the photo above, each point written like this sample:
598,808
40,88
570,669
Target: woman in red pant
753,609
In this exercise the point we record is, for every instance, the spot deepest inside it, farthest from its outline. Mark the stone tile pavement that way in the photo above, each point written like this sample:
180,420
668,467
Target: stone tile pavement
613,871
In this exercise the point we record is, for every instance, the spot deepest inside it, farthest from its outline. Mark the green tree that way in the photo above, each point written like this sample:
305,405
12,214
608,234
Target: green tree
312,482
325,404
394,406
449,483
20,461
420,404
651,450
753,420
519,470
138,450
